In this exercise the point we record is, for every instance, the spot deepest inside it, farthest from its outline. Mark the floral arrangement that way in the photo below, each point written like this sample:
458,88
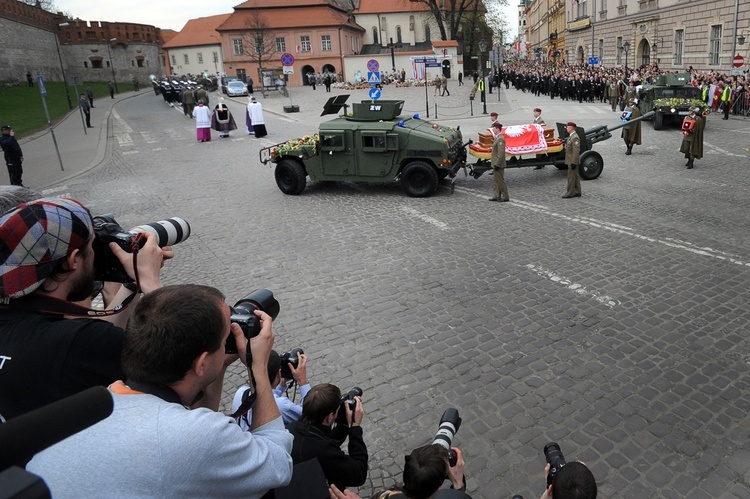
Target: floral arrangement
678,102
293,146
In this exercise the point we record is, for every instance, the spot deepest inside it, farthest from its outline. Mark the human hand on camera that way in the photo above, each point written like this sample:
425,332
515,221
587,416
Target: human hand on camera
150,260
300,373
345,494
261,345
456,472
355,418
548,492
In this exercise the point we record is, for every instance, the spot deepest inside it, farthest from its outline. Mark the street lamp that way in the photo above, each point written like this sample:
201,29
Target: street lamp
741,39
216,67
112,63
62,66
626,48
482,50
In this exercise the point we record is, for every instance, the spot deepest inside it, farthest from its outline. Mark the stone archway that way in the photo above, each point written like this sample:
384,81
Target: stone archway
328,68
579,54
306,69
447,68
644,53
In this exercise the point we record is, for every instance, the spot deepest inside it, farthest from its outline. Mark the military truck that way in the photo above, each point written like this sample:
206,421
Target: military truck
670,98
373,143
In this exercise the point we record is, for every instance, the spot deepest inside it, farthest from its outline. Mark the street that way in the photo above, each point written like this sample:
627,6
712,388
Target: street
614,324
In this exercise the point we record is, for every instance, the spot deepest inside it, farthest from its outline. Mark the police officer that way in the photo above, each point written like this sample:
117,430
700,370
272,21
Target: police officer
13,155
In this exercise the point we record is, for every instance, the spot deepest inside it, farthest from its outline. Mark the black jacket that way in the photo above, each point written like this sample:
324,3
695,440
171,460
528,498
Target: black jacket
315,441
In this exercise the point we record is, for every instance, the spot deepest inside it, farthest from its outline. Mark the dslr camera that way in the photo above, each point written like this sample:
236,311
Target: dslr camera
243,314
554,457
106,230
450,422
290,359
348,398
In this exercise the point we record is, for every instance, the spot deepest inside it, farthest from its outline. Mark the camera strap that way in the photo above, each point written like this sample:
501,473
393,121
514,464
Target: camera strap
55,306
248,398
161,391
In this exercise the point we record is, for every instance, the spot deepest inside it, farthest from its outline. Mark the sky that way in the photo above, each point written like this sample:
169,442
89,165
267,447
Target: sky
173,14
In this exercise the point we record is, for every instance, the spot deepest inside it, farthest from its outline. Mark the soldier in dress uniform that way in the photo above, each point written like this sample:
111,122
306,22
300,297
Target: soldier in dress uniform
498,165
572,160
631,133
692,141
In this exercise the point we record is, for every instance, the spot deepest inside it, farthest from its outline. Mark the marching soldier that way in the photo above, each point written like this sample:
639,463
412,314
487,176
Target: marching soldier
631,133
692,142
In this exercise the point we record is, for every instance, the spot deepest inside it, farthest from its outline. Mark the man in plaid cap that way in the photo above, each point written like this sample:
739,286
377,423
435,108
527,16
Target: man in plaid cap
46,264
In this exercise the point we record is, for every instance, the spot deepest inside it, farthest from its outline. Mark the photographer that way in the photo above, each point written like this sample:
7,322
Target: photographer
290,412
46,265
153,445
425,470
572,481
316,436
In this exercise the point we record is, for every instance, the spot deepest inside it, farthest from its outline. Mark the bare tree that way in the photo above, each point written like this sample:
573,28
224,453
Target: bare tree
449,14
258,40
48,5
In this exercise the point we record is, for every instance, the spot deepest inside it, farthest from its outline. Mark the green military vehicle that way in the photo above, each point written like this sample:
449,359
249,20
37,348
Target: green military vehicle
670,98
373,143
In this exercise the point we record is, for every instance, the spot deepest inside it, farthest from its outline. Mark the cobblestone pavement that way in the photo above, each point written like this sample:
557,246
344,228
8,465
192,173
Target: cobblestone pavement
614,324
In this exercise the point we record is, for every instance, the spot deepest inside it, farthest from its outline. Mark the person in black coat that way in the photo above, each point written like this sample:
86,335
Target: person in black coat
316,436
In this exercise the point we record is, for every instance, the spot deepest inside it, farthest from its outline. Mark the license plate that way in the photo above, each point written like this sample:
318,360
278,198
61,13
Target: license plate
683,113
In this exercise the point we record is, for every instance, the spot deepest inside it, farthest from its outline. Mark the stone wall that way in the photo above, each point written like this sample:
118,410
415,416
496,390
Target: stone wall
27,48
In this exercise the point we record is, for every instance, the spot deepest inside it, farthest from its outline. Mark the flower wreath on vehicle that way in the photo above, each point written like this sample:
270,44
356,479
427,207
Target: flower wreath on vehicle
293,146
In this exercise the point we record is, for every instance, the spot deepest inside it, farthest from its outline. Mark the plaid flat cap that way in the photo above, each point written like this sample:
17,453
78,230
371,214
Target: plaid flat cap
34,237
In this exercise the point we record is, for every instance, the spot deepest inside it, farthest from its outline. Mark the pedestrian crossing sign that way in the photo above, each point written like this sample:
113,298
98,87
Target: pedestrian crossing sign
373,77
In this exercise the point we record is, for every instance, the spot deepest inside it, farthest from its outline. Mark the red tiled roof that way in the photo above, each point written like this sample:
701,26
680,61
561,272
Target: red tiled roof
265,4
444,43
298,17
389,6
196,32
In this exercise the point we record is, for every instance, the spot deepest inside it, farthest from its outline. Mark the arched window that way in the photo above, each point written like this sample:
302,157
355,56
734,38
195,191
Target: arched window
427,33
374,34
398,34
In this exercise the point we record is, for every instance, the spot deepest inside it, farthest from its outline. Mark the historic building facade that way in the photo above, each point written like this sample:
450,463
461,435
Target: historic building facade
675,34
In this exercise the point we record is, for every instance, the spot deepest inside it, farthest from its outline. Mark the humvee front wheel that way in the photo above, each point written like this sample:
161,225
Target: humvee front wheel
591,165
658,121
290,177
419,179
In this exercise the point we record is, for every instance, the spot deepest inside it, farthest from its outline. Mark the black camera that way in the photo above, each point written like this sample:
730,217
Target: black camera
243,314
106,230
450,422
348,399
554,457
290,359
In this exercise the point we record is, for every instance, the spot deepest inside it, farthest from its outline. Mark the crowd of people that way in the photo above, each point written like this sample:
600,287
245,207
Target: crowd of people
162,353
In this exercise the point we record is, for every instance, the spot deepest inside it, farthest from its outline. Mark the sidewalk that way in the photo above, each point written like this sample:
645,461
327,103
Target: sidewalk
80,148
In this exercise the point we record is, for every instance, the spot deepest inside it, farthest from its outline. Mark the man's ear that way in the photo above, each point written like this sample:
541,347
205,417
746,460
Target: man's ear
199,365
74,260
328,420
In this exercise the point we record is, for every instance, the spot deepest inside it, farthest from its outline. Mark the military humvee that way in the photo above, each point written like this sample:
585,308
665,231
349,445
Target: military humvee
373,143
670,98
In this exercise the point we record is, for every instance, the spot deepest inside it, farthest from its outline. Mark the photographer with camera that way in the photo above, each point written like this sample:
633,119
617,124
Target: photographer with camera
327,419
46,265
153,445
280,370
566,480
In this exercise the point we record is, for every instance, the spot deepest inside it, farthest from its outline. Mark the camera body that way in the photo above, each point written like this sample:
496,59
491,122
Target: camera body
348,398
107,267
243,314
450,422
290,359
555,458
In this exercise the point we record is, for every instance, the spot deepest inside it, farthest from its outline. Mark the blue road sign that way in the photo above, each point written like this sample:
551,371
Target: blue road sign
42,88
373,66
287,59
433,63
375,93
593,60
373,77
420,60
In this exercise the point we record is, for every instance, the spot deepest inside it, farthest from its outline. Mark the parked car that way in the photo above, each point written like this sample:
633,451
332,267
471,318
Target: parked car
225,81
236,87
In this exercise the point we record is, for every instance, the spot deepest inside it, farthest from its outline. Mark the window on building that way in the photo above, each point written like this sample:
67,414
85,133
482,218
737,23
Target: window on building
325,42
427,33
305,43
679,38
174,60
216,57
618,50
260,47
241,74
237,46
411,23
398,34
601,51
200,58
107,63
715,48
374,34
132,62
604,6
186,58
162,61
85,64
581,11
280,44
97,64
140,63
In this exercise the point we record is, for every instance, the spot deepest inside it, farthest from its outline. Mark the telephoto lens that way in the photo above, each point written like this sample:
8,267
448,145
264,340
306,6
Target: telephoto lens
450,422
169,232
243,313
554,457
